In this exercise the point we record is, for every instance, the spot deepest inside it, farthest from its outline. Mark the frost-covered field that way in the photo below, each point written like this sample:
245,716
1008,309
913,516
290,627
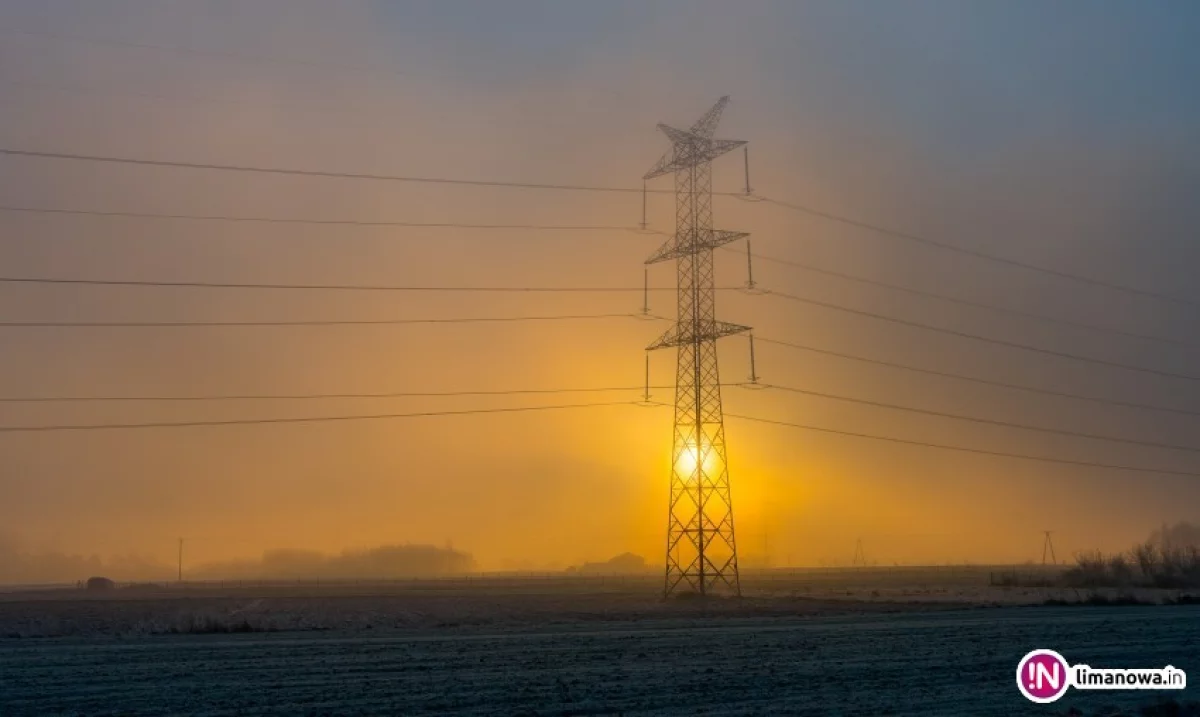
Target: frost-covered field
520,650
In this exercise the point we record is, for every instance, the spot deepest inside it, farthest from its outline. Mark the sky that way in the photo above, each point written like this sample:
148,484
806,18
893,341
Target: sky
1061,135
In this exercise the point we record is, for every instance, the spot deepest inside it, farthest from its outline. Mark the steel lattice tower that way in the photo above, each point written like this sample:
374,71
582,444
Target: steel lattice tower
701,548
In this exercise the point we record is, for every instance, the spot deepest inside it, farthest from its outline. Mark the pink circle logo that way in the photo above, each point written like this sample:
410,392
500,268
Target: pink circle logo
1042,676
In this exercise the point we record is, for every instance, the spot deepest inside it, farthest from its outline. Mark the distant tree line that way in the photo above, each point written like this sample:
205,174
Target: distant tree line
20,567
383,562
1169,558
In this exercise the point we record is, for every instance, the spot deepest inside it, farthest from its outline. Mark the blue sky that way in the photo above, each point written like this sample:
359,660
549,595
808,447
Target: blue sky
950,73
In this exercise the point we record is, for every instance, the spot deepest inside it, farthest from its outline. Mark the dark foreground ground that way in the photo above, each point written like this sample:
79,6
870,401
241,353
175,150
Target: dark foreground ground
507,652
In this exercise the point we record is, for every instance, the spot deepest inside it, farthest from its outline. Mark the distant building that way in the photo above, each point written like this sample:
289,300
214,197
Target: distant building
100,584
621,564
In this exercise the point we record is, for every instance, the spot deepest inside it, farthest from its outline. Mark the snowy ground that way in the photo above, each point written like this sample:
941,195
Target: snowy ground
522,649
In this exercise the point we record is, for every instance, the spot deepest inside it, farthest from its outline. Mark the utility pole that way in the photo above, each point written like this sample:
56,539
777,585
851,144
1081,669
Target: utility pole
180,576
701,547
1048,545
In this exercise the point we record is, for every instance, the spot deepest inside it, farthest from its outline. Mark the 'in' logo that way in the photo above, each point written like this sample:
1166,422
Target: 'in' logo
1042,676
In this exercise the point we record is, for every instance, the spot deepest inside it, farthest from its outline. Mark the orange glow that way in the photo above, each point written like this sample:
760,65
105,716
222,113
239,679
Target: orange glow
689,456
534,490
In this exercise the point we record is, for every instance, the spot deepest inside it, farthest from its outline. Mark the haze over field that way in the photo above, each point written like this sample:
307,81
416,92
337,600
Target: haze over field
1038,132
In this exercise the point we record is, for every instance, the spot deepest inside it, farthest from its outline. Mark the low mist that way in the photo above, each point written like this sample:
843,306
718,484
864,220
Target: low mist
382,562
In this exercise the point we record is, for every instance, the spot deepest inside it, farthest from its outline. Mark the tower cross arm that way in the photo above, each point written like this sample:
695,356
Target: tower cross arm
662,166
674,248
687,334
689,150
707,124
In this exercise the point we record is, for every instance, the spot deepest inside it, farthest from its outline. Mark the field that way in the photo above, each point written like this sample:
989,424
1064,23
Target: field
868,643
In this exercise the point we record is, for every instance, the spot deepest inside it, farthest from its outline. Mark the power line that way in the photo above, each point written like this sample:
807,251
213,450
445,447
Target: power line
764,257
963,449
337,287
988,421
318,396
300,419
307,322
532,227
520,409
335,175
341,287
571,187
324,222
972,303
585,188
985,339
887,231
982,381
359,287
466,320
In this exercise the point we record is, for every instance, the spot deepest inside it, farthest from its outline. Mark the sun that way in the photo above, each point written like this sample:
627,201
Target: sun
689,456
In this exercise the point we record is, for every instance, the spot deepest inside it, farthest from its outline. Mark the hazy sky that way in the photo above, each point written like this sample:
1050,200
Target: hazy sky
1061,134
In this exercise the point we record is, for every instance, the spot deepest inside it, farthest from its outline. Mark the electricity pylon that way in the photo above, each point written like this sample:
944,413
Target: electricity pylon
1048,545
860,558
701,548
